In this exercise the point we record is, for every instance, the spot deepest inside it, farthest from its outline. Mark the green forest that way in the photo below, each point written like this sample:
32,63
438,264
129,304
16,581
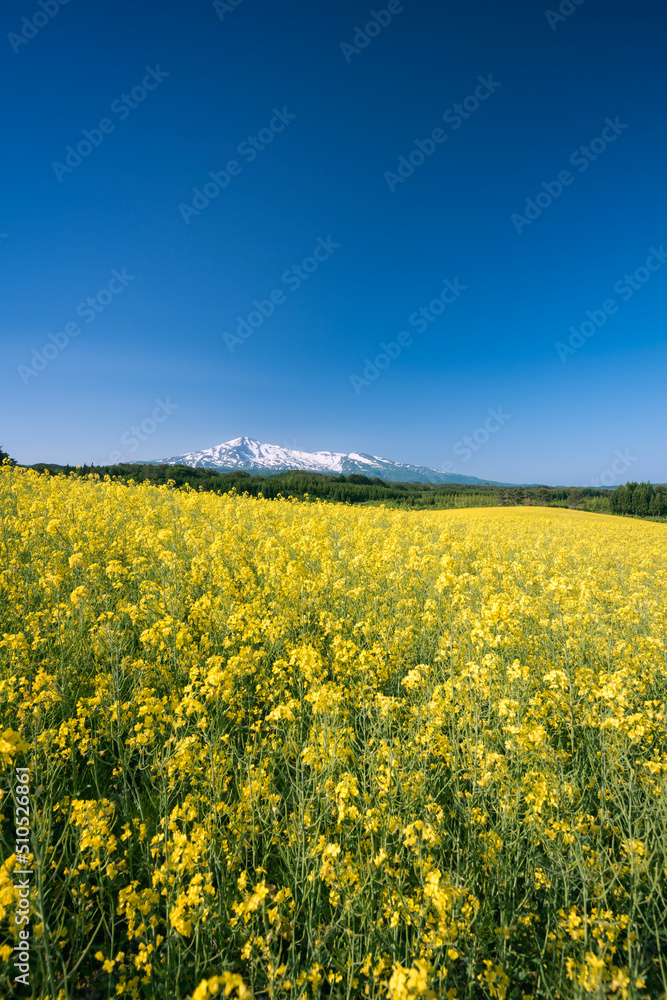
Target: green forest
640,499
632,499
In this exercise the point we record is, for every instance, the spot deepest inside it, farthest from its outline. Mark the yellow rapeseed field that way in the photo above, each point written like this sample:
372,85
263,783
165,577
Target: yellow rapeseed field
302,750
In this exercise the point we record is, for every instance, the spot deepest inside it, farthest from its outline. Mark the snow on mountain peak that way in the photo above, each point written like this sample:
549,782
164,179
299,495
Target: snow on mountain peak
249,455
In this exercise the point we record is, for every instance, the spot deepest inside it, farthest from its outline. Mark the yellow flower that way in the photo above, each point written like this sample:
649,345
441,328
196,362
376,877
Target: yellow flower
382,709
224,984
11,743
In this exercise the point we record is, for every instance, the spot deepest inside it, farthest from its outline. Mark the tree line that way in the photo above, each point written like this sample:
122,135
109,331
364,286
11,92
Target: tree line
639,499
630,499
354,488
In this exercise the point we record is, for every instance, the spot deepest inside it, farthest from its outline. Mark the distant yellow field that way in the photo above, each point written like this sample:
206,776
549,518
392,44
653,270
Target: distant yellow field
305,750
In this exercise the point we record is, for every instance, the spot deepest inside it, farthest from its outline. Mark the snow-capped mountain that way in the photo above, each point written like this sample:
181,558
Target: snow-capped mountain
247,455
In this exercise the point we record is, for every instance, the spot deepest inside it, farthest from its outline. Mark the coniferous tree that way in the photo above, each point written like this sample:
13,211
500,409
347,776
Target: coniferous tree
574,498
660,501
626,505
641,499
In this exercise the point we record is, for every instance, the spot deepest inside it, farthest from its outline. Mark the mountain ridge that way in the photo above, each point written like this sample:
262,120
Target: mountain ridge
249,455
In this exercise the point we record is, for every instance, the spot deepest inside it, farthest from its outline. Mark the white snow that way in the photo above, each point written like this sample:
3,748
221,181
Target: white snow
248,454
242,451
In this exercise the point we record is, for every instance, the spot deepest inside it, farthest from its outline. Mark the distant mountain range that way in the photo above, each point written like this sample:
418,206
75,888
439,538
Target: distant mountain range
247,455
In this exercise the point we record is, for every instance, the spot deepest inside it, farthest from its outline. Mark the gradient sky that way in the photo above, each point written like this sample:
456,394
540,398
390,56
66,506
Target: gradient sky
218,73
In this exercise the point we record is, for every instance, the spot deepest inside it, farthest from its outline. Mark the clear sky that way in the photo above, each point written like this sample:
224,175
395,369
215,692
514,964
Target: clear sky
349,160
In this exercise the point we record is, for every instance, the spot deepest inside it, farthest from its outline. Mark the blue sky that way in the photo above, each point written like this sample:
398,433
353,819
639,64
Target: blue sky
306,121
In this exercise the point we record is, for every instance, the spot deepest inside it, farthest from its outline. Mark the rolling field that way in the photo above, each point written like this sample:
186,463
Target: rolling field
304,750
